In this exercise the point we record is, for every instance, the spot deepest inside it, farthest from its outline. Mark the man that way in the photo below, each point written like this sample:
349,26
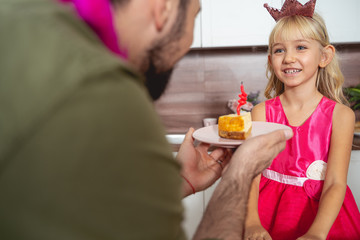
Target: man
82,151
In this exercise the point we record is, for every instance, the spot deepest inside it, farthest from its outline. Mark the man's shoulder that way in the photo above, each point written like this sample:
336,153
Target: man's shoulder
49,58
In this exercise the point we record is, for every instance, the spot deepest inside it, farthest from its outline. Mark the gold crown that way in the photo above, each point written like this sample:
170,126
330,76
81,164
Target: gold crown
292,7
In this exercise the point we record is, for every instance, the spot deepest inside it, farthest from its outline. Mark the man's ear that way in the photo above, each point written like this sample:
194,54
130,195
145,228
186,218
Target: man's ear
327,55
161,12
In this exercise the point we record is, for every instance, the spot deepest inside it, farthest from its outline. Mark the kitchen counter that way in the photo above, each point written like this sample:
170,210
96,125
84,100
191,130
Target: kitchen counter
175,140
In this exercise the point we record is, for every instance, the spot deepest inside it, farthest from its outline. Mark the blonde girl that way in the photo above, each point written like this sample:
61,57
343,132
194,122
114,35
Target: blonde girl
304,194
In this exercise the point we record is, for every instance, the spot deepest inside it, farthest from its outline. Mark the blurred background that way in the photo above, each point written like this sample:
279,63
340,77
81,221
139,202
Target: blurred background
230,47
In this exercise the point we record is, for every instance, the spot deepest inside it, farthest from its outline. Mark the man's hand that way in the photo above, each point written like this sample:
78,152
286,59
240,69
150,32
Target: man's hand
199,167
257,153
224,217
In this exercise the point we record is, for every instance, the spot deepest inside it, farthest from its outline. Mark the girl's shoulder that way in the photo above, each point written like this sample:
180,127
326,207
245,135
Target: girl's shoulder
343,125
258,112
343,115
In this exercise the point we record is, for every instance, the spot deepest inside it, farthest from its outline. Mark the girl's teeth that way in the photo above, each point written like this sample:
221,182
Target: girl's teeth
291,71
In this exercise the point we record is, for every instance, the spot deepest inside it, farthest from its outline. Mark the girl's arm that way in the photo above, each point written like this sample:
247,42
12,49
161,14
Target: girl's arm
335,184
253,227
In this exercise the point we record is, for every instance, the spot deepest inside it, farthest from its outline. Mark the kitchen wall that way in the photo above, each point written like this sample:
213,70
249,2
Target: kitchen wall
206,79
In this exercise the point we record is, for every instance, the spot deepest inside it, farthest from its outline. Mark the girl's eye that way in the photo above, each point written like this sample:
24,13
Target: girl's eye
301,47
278,50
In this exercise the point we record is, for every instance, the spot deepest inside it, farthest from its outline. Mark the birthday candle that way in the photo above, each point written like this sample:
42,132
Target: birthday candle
242,98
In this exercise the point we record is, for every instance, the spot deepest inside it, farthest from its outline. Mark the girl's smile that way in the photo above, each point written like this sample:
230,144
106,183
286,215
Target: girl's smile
295,61
292,71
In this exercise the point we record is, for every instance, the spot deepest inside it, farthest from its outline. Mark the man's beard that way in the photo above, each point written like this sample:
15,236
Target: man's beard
157,78
157,81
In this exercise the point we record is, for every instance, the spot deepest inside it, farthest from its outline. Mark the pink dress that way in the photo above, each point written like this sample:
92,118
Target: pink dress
291,187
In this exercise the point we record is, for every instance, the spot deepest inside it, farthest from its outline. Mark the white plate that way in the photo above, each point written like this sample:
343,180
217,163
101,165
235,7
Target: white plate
210,134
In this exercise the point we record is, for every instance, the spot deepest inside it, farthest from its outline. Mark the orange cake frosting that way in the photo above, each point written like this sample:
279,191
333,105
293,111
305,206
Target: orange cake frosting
235,126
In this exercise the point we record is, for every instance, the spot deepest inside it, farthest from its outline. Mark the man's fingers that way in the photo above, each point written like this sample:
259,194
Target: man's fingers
277,138
288,134
258,152
218,153
280,135
188,135
203,147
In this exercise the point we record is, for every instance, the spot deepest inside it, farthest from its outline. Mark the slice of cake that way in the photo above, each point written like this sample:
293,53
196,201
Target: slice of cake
235,126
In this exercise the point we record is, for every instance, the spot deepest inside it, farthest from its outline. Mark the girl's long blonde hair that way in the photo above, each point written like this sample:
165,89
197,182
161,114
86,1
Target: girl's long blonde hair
329,79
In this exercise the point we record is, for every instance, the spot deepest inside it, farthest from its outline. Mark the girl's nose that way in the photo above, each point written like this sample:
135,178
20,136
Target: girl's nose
289,57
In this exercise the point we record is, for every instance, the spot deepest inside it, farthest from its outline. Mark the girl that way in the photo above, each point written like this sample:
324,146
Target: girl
304,194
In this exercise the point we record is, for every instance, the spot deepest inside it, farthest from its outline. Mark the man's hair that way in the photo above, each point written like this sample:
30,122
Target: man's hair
182,4
119,2
180,19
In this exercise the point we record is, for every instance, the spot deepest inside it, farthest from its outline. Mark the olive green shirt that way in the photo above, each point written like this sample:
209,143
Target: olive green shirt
83,154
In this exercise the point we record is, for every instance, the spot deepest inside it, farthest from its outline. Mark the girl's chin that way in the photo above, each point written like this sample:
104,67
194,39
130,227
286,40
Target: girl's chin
290,83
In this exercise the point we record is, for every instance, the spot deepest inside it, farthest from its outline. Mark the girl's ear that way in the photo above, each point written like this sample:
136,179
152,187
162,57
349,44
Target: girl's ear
161,12
269,60
327,55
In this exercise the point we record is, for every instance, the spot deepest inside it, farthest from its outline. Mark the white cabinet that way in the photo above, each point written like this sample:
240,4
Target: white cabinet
229,23
197,32
193,212
342,19
353,179
194,208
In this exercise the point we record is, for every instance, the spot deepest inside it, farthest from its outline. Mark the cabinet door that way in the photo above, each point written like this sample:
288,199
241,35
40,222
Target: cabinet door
193,213
229,23
232,23
342,19
353,179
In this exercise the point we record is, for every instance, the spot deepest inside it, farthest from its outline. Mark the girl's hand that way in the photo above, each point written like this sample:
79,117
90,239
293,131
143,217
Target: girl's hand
256,232
310,237
199,167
